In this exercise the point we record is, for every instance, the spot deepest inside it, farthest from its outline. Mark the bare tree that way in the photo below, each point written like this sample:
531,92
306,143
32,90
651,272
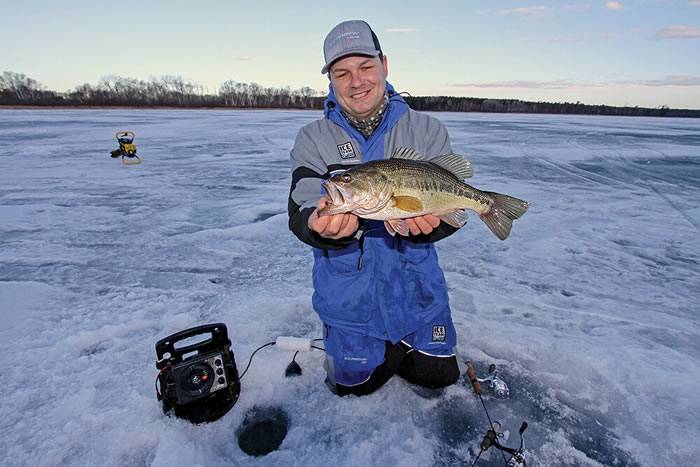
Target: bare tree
19,86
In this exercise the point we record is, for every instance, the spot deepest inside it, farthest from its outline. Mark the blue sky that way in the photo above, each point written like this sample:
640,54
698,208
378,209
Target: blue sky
644,52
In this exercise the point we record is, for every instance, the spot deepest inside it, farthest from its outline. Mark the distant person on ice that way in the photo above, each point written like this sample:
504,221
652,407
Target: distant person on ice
382,299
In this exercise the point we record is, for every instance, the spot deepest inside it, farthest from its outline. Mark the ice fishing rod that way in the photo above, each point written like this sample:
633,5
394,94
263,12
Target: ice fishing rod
517,458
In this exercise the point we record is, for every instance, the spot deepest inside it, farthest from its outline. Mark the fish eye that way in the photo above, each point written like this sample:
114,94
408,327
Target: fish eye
346,178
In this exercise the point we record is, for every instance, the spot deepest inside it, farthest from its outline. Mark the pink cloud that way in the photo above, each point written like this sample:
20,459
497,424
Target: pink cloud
616,6
522,84
525,11
674,80
678,32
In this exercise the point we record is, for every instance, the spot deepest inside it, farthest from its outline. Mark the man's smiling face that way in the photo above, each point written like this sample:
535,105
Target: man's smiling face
359,84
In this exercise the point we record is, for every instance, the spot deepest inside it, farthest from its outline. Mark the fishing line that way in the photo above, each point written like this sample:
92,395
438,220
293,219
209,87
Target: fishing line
491,424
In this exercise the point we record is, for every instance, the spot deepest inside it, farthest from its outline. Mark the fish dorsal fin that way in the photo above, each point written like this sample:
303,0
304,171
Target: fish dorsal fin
408,153
455,164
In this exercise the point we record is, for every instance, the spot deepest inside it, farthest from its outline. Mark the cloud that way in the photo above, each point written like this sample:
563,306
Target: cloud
674,80
678,32
694,3
525,11
616,6
530,10
522,84
401,30
244,58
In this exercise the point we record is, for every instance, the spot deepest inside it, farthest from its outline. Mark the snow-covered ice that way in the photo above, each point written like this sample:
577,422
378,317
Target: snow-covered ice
590,308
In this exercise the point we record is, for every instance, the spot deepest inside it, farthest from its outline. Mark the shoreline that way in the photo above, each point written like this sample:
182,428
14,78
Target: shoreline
245,109
142,107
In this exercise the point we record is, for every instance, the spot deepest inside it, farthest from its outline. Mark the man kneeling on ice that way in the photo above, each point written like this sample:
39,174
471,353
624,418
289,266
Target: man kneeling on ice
382,297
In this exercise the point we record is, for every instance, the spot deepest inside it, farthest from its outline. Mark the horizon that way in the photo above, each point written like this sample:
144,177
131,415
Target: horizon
66,94
597,53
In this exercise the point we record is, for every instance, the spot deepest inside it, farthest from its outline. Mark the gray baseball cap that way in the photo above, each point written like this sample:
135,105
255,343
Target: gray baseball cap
349,38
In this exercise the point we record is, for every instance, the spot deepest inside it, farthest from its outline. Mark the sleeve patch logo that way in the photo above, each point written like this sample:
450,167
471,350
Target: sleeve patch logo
439,333
346,151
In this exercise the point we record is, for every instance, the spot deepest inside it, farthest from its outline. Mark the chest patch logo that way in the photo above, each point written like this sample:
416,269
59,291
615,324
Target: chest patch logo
438,333
346,151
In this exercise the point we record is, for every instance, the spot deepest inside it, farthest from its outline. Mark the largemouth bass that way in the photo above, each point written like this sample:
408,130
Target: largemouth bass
410,185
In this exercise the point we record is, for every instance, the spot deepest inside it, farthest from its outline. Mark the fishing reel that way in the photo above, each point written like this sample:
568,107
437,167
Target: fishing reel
491,437
495,385
198,381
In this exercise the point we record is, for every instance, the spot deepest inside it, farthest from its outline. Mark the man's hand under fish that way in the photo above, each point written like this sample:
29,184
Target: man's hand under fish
335,226
346,224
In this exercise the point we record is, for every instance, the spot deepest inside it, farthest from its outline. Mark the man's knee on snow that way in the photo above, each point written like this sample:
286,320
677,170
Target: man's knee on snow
429,371
365,384
365,388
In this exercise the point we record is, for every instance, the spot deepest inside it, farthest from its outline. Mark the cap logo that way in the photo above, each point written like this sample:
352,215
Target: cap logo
345,35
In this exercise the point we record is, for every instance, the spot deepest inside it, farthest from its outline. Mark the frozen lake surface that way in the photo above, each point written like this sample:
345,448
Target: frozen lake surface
590,309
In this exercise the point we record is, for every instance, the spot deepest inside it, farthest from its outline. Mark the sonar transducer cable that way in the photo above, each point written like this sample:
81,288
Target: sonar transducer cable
296,344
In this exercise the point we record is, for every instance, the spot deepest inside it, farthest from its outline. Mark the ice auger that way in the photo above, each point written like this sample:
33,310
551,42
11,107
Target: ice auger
127,148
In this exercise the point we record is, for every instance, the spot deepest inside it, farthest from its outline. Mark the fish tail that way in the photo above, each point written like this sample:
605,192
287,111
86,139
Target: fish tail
504,210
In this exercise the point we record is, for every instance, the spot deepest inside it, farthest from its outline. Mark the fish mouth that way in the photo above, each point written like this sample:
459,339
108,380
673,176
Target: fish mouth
338,198
335,194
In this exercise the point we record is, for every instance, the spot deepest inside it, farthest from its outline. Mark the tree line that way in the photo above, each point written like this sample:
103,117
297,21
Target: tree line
166,91
174,91
475,104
